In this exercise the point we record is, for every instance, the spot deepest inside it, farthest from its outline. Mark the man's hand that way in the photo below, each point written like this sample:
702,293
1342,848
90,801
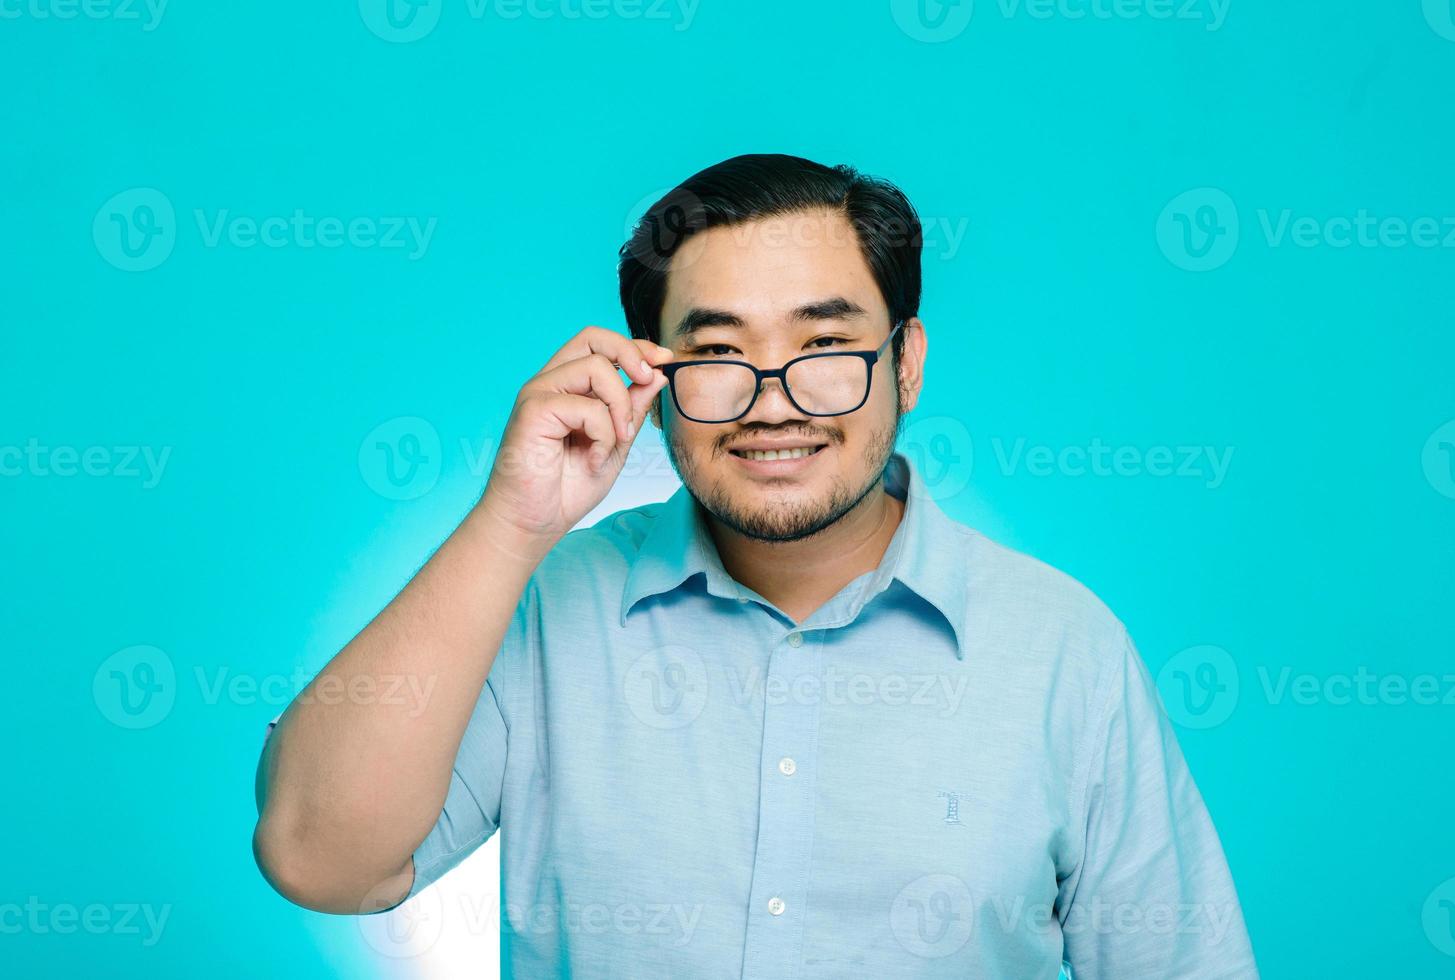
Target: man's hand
570,431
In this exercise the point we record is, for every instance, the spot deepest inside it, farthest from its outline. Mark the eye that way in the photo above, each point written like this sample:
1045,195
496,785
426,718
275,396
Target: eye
712,350
827,341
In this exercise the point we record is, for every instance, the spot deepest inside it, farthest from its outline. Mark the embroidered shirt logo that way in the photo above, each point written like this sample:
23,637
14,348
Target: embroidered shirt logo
952,804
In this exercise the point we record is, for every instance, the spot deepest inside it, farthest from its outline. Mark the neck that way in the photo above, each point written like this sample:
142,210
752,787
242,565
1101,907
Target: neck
800,576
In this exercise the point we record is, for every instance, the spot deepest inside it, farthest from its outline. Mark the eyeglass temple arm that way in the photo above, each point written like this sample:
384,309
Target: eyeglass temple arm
889,338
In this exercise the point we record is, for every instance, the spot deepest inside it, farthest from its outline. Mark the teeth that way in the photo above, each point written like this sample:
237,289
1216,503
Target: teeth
778,453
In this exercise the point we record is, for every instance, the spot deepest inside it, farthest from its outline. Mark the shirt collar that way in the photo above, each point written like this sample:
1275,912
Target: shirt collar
926,553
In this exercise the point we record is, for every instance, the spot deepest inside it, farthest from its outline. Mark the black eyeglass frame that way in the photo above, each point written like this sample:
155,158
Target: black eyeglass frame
870,358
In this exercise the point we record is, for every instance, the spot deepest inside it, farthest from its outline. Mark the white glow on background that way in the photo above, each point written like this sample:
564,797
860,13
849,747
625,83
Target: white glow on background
646,477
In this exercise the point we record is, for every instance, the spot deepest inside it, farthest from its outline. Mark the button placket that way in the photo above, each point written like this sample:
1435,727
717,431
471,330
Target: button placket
785,809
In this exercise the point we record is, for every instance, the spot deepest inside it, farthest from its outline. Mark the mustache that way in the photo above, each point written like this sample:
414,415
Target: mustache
830,436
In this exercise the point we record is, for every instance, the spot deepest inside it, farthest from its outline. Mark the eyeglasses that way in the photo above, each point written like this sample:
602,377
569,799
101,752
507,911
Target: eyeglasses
831,383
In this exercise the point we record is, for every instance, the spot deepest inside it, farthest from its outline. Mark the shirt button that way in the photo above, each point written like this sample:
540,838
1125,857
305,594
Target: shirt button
775,906
795,639
787,766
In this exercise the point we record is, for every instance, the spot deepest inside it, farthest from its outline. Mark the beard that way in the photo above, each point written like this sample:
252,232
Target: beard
781,519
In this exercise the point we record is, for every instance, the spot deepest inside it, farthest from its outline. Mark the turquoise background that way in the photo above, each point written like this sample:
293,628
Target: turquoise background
1077,307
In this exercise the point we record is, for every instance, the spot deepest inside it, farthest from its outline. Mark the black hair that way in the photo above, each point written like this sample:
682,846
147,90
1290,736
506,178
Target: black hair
761,185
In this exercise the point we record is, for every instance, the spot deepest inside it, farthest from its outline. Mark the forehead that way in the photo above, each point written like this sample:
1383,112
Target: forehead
763,269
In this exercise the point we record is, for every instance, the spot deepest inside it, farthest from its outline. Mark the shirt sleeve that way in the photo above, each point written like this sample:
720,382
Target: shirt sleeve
471,813
1152,895
472,806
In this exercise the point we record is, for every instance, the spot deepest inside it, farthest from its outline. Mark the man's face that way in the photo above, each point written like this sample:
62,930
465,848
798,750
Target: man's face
765,292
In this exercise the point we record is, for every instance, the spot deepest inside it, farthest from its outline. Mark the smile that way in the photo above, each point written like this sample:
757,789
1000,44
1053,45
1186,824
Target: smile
772,454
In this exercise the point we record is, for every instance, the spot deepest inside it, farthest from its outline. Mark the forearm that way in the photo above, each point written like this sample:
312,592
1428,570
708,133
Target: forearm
352,780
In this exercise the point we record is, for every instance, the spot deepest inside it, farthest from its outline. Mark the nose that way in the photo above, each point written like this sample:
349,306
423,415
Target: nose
772,406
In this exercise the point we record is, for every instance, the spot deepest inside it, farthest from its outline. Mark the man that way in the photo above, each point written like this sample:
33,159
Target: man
792,722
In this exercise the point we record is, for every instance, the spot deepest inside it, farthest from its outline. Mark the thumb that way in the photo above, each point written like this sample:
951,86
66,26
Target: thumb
641,399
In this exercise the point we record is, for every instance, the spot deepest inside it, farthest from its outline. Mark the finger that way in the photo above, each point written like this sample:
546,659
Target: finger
596,376
624,351
642,397
578,413
655,353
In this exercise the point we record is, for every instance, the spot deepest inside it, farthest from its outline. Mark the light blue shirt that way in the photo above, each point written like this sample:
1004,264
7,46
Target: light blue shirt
957,767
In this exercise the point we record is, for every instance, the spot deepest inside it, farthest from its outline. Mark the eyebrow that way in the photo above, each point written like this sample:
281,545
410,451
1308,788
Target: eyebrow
701,318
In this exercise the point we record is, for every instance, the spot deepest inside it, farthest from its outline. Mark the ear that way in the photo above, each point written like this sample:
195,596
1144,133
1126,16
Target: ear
912,363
